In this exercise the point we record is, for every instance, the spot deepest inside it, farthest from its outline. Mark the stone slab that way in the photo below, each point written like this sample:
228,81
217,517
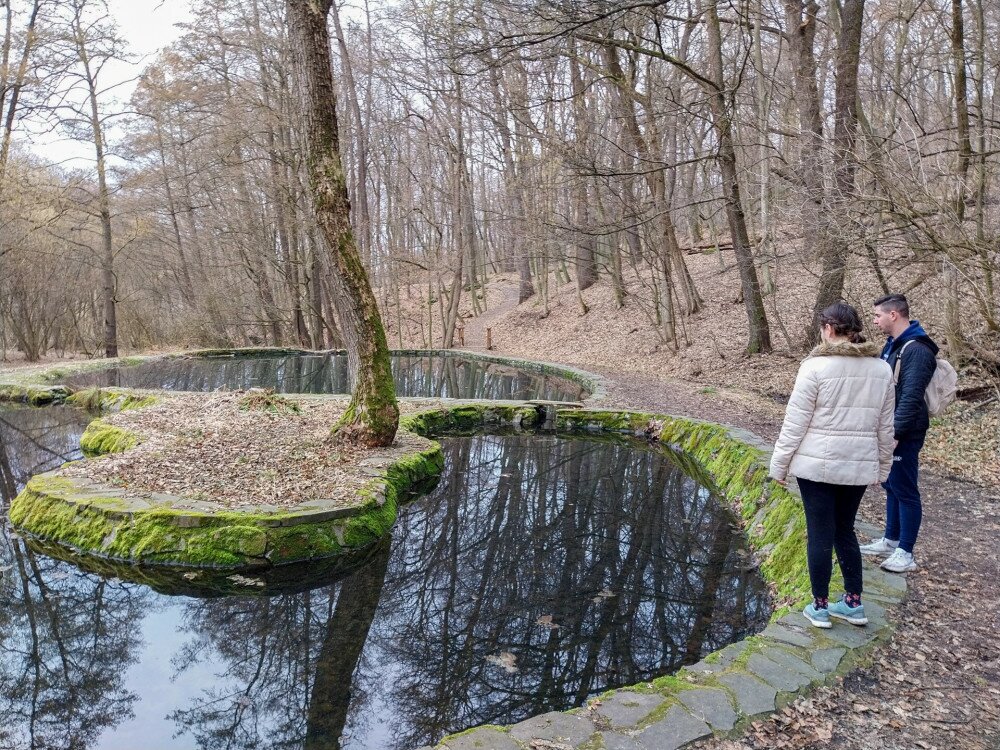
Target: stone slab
790,661
868,530
852,636
674,730
841,633
711,706
486,738
790,634
888,598
752,696
876,577
721,660
827,659
776,675
615,741
626,709
570,729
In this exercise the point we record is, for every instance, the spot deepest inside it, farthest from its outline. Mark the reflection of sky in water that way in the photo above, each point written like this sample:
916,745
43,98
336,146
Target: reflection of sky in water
448,376
471,568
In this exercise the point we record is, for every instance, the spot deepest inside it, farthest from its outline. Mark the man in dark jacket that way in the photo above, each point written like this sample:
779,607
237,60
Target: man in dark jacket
913,357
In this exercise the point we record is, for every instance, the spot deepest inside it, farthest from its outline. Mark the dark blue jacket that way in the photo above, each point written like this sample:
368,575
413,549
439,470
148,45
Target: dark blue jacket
917,365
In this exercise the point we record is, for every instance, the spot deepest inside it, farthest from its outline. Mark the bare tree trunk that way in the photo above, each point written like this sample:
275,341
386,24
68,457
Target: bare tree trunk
108,280
17,84
361,214
372,416
586,269
953,317
721,106
831,280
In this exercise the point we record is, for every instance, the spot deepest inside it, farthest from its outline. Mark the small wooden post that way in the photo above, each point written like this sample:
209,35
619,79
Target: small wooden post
489,339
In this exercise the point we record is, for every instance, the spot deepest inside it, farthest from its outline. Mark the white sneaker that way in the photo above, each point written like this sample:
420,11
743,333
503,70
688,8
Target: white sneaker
899,561
879,547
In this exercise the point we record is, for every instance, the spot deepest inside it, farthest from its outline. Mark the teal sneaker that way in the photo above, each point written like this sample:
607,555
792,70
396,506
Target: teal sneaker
853,615
820,618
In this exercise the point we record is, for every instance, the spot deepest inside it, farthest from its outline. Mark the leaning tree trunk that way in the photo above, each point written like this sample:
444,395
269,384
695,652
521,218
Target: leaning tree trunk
372,416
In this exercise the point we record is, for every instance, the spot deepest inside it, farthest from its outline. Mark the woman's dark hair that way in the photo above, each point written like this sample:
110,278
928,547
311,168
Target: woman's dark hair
845,321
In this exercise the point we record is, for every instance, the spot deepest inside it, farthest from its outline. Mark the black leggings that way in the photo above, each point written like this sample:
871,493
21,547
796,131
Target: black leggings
830,512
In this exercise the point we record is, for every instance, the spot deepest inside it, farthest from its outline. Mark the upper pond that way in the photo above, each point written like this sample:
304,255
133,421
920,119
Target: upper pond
431,376
541,570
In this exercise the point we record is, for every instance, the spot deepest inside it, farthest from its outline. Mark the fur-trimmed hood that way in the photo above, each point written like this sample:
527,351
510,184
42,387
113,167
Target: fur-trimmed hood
838,426
846,349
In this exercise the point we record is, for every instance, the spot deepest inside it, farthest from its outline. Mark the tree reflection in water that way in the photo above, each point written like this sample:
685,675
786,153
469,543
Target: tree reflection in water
592,563
446,376
66,637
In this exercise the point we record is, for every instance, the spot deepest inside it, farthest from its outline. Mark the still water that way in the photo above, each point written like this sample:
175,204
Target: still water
540,570
442,376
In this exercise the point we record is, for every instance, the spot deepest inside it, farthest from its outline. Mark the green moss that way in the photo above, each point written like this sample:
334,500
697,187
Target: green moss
670,684
101,438
98,400
470,418
35,395
57,509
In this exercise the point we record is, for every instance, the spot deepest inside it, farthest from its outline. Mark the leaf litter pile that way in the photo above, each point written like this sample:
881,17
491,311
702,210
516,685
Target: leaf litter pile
234,449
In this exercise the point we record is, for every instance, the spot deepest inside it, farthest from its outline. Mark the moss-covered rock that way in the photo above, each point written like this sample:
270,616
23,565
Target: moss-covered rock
99,400
34,395
101,438
88,519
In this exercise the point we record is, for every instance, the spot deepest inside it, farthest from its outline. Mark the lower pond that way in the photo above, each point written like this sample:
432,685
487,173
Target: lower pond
540,570
431,376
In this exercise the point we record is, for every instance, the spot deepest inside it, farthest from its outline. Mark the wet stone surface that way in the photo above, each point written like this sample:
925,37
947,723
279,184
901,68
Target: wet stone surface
674,730
626,708
566,728
711,706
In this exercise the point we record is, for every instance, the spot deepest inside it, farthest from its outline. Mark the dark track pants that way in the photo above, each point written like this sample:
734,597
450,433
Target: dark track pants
903,511
830,512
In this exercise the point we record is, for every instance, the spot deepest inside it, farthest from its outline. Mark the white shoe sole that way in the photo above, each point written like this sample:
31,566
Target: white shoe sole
903,569
818,623
852,620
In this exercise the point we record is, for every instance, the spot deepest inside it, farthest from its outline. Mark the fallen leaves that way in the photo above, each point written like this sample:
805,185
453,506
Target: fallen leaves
234,449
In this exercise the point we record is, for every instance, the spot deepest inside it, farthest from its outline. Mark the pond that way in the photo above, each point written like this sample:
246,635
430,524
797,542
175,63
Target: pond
542,569
430,376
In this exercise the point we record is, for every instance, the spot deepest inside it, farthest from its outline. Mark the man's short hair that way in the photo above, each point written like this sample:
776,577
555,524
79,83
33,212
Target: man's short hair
895,302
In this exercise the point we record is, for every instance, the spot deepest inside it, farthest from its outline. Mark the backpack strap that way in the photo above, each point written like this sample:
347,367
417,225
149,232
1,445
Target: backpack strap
899,364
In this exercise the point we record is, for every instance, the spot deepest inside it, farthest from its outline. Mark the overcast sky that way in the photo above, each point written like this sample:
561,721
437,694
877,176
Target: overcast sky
148,25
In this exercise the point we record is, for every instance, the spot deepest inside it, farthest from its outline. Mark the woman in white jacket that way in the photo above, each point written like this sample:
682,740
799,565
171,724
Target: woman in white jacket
837,438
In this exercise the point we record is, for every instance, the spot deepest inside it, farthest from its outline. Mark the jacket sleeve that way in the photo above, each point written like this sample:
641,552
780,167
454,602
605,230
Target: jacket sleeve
886,443
917,365
798,415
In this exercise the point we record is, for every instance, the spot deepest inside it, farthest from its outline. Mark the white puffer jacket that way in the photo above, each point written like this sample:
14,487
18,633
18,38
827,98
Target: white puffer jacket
838,425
